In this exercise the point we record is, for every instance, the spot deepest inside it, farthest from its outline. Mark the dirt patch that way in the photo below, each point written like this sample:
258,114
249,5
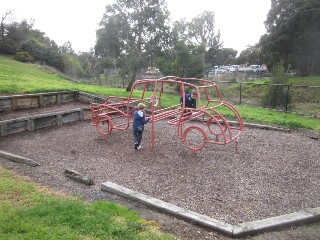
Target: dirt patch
274,172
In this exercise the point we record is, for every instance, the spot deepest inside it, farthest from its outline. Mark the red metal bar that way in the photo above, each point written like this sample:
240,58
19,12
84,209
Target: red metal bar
225,133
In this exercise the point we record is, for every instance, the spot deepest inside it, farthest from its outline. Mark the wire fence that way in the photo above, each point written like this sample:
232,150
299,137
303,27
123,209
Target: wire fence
105,80
114,80
299,99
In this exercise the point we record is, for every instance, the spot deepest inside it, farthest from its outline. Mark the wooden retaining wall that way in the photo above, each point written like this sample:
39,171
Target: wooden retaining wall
16,102
33,123
36,122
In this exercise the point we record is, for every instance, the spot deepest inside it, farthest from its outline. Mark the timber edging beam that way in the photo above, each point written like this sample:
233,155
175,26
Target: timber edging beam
238,230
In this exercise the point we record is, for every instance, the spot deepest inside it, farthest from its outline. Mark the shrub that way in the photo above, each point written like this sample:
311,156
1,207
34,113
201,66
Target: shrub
72,66
278,95
23,57
8,46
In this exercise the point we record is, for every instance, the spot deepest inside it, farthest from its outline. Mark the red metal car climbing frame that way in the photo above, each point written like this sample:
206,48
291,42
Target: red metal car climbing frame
207,123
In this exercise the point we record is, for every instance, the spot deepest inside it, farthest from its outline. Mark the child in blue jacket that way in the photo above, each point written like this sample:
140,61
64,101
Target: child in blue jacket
190,101
139,120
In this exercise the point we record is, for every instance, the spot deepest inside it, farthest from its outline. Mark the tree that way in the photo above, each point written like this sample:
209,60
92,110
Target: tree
250,55
12,34
293,35
2,23
212,55
133,30
183,57
66,48
202,30
180,31
227,56
195,44
19,32
167,63
88,62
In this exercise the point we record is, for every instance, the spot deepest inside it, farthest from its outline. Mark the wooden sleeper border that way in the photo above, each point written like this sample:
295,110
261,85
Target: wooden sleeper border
33,123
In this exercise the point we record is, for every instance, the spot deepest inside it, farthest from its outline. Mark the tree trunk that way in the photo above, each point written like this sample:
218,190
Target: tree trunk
132,80
2,31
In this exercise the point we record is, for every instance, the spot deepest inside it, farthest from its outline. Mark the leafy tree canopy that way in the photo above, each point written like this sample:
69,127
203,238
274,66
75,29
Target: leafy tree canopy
293,34
250,55
133,30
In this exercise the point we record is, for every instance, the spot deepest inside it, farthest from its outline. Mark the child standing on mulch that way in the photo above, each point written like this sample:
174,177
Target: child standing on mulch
139,120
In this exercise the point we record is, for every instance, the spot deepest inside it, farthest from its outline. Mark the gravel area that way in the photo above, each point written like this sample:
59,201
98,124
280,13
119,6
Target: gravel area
273,173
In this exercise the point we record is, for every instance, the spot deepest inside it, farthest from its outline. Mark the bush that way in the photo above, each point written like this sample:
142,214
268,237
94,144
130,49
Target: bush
8,46
36,49
278,94
23,57
72,66
56,61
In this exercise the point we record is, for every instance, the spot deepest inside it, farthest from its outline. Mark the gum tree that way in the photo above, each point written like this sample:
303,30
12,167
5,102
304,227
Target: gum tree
293,34
133,31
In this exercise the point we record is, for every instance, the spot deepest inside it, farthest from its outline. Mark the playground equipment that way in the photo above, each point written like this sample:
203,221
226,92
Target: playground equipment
196,127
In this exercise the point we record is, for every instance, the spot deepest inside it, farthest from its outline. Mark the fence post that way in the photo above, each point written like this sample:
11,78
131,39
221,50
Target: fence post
287,97
240,95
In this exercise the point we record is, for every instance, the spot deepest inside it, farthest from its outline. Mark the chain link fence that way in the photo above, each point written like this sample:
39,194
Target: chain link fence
299,99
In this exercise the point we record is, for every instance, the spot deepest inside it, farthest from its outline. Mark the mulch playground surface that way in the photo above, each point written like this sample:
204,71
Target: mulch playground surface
273,173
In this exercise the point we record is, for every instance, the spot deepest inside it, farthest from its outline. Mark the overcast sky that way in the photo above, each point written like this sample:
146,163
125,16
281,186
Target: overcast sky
240,21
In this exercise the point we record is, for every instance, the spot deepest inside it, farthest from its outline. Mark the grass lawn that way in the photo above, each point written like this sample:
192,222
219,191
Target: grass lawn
21,78
30,211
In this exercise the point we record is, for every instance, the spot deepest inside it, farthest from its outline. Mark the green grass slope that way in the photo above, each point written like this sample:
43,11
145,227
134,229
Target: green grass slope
21,78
